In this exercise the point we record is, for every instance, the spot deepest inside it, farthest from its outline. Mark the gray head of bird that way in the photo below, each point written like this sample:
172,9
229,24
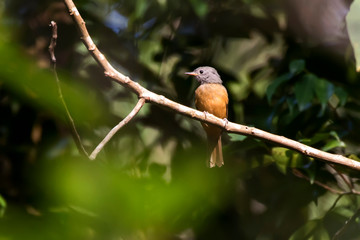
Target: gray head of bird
206,75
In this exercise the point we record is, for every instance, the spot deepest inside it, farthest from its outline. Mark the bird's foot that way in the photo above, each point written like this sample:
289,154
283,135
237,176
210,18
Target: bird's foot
205,114
226,122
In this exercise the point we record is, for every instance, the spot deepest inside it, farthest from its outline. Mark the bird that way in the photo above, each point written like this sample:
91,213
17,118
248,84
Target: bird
211,97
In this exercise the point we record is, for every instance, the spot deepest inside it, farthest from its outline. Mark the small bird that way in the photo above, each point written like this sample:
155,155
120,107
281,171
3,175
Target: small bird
211,96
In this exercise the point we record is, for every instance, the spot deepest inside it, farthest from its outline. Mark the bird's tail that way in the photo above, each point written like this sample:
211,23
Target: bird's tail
216,155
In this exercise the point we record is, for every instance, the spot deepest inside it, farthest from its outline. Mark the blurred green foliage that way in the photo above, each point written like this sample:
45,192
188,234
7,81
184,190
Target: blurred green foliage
150,181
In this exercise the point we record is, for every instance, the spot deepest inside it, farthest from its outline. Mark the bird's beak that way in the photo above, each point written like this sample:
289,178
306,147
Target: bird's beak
191,73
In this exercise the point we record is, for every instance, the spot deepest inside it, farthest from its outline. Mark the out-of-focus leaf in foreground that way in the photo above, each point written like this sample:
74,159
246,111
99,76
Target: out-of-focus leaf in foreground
137,202
97,198
2,206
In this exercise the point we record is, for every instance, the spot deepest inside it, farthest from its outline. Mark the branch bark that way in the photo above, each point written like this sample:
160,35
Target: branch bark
151,97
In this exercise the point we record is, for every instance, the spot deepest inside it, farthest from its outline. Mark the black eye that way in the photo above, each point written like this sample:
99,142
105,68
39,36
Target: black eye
201,71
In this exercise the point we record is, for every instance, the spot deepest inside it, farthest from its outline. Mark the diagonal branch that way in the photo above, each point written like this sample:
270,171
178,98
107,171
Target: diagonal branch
115,129
151,97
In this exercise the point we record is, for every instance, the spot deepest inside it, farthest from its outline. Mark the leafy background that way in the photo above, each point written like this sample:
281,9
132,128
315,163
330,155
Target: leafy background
289,69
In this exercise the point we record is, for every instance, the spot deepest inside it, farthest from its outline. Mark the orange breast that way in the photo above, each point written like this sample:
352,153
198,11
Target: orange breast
212,98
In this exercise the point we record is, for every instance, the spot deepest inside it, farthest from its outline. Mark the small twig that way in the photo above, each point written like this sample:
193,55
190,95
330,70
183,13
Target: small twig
337,200
346,225
301,175
330,189
344,179
53,40
70,120
127,119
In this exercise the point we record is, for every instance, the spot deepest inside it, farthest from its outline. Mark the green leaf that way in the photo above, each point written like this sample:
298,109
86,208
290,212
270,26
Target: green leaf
354,157
342,95
236,137
297,160
291,105
140,8
335,135
323,90
311,174
342,211
315,139
275,84
313,230
297,66
2,206
200,7
353,27
304,90
2,202
333,144
282,158
148,49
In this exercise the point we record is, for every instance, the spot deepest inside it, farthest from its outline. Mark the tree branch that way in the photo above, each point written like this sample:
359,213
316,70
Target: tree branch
323,185
70,120
128,118
149,96
340,177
